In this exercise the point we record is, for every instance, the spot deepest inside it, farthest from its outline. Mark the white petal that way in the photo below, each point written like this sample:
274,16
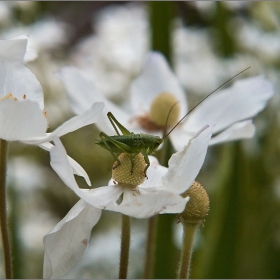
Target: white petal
20,120
180,137
67,242
82,94
144,203
185,165
81,91
15,77
88,117
76,167
30,54
157,77
240,130
154,173
243,100
102,196
98,197
13,49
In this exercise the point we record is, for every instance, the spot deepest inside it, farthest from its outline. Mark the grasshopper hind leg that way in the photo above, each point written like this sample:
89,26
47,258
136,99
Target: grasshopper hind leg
105,137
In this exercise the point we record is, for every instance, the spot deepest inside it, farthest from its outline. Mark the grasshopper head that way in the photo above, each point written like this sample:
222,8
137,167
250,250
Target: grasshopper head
155,143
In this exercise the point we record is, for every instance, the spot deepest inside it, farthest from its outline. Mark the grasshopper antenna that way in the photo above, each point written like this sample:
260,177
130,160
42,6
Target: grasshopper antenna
165,127
165,135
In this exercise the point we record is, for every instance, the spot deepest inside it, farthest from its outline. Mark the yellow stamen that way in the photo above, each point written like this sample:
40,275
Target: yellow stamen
125,173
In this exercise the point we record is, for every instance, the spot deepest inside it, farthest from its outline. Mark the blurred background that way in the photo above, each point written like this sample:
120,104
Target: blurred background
206,43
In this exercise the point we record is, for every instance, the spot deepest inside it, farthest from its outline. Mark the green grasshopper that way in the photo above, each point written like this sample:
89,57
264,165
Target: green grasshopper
129,142
134,144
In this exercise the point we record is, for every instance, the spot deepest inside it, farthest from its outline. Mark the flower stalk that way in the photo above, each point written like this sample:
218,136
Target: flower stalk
150,249
3,210
125,245
189,231
192,218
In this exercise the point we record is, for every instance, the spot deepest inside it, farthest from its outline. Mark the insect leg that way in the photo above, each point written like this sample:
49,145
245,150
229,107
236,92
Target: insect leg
116,124
132,157
146,158
105,137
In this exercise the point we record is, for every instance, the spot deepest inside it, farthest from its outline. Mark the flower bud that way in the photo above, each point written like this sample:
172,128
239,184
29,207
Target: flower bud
125,173
197,207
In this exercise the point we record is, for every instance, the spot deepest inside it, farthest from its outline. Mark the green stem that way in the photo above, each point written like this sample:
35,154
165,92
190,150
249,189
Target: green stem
150,250
190,230
3,210
125,244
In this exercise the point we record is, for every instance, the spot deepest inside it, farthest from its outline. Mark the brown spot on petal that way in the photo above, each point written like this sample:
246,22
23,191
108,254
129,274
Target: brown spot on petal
85,242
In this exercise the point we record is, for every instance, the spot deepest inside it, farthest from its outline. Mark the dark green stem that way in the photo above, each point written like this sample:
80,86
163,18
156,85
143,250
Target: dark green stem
3,210
125,244
150,250
190,230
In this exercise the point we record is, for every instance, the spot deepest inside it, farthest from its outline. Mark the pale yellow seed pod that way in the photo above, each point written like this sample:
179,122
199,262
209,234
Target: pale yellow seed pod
197,207
125,174
161,107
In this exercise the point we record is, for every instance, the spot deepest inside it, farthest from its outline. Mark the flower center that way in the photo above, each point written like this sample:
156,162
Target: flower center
164,111
129,170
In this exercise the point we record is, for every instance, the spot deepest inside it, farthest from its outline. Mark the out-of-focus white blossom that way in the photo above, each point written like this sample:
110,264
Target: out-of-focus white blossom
114,54
45,35
264,45
198,67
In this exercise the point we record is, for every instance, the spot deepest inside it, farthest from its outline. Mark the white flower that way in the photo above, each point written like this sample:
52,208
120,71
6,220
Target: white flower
195,60
65,244
114,53
230,110
22,102
46,35
264,45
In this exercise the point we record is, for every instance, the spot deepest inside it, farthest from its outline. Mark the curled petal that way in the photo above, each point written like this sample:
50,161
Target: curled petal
185,165
98,197
66,243
240,130
88,117
76,167
20,120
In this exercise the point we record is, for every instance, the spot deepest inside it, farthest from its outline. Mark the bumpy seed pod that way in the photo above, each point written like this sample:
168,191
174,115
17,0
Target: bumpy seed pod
125,173
197,207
